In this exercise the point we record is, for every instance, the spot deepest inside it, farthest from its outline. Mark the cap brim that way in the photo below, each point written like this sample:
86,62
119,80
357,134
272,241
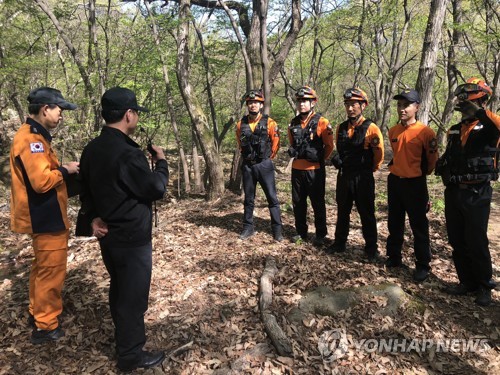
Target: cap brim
142,109
67,105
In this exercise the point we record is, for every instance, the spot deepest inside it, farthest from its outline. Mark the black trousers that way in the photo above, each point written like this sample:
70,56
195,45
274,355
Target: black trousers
359,188
130,273
310,183
408,195
467,212
263,173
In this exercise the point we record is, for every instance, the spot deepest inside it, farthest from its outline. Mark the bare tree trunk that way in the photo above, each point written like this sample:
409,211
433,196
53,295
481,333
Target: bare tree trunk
451,69
296,24
198,119
208,87
263,51
17,105
81,68
425,80
198,182
235,178
253,46
361,66
389,70
248,66
95,44
170,102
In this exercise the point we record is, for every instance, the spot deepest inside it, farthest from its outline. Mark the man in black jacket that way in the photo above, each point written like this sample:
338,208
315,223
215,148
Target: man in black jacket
117,192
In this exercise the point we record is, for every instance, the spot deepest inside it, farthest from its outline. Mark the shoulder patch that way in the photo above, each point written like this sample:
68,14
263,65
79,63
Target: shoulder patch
36,147
375,141
433,144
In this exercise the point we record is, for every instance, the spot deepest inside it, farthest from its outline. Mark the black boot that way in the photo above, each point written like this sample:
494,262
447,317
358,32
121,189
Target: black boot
247,233
336,247
39,336
148,360
483,296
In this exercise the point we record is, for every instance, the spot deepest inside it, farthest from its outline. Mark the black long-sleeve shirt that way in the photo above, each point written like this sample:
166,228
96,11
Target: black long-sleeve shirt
118,186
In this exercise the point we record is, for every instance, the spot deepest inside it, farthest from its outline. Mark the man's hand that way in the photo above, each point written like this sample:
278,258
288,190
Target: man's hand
468,108
72,167
158,153
99,227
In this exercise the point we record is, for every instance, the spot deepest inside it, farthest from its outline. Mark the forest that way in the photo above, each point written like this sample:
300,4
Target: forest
191,62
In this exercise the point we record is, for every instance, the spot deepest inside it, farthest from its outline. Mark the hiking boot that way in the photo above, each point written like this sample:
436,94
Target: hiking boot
247,233
318,241
39,336
278,237
336,247
460,289
483,297
392,263
372,257
420,274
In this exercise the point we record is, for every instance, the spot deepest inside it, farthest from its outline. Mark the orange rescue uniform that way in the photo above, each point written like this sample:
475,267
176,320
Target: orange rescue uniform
39,207
411,145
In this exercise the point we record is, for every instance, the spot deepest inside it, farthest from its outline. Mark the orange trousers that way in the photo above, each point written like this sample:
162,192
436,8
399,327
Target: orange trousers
47,275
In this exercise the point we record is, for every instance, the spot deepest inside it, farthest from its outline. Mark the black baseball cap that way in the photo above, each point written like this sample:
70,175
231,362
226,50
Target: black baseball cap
48,95
409,94
118,98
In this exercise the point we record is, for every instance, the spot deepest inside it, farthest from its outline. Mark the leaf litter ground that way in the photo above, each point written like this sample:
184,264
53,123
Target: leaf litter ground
203,306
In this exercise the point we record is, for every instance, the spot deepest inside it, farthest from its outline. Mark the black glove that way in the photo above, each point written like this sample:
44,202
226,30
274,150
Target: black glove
468,108
336,160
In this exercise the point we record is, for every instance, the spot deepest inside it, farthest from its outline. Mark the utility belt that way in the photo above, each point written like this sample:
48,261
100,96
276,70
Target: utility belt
473,179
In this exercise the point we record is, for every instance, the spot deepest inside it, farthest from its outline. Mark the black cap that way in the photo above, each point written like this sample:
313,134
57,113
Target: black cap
409,94
120,98
48,95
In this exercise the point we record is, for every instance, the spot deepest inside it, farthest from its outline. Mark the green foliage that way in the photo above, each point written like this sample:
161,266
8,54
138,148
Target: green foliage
33,54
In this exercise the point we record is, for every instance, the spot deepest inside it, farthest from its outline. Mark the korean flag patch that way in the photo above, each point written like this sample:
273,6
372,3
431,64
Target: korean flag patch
36,147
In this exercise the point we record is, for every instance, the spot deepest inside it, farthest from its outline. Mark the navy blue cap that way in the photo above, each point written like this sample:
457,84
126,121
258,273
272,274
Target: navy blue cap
48,95
118,98
409,94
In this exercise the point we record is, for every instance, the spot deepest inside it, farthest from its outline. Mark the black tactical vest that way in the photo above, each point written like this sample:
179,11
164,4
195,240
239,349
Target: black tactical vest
306,143
256,145
351,151
474,161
